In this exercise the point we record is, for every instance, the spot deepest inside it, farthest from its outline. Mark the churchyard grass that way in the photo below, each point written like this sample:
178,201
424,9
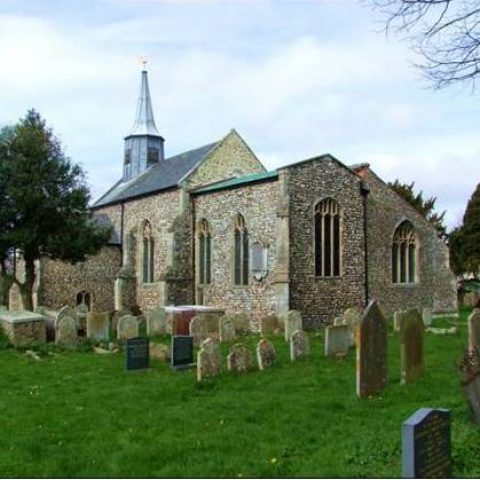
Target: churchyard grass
77,414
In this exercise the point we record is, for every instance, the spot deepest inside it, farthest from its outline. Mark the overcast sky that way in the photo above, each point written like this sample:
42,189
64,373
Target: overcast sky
295,78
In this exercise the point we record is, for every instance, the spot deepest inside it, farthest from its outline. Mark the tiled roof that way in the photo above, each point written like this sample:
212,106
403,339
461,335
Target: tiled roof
238,181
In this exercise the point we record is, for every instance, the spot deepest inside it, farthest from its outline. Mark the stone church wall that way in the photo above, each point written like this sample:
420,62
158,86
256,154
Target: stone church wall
321,299
257,204
436,287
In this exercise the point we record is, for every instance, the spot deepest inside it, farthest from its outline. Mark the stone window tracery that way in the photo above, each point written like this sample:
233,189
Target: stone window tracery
205,252
404,254
241,251
147,254
327,238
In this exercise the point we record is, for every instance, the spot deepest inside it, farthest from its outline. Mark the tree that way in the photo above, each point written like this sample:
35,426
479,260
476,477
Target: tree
446,33
424,206
44,202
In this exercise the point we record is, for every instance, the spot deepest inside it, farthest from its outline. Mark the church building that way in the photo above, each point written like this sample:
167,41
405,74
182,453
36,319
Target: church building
211,226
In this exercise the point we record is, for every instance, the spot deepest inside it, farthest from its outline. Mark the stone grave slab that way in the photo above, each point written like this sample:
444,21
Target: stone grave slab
226,328
66,332
137,353
15,299
127,327
351,317
337,340
397,320
23,328
98,326
198,330
426,444
338,321
266,354
469,367
242,323
65,311
293,322
209,359
159,351
299,345
474,330
268,325
371,361
427,316
411,346
181,356
156,322
239,359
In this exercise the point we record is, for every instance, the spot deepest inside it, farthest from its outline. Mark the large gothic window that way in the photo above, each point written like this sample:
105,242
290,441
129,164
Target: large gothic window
241,251
327,238
205,252
404,254
147,254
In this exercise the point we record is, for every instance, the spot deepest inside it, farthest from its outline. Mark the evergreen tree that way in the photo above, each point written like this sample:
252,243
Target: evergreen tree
469,237
44,202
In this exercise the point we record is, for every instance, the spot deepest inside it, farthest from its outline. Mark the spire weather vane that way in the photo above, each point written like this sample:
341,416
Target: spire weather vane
144,60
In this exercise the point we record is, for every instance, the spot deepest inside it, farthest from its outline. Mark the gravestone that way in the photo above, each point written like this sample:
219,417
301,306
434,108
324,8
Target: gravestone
397,320
411,346
371,364
198,330
226,328
137,353
98,326
209,359
210,320
268,325
293,322
159,351
299,345
351,316
474,329
337,340
427,316
66,332
15,300
127,327
266,355
156,323
239,360
242,323
470,369
65,311
426,444
81,316
181,352
338,321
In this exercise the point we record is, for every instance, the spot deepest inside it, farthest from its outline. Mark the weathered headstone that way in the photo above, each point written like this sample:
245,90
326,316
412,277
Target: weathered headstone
351,317
226,328
293,322
182,352
198,330
337,340
159,351
411,346
474,329
65,311
137,354
470,369
156,322
210,320
426,444
239,360
127,327
299,345
338,321
268,325
209,359
15,299
81,315
98,326
266,355
427,316
397,320
66,332
242,323
371,364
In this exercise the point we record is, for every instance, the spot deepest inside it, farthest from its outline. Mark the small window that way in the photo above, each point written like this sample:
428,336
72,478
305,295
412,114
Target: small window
147,254
241,252
205,253
404,254
327,239
152,155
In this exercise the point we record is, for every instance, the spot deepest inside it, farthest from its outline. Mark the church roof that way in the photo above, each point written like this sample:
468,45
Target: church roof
160,176
238,181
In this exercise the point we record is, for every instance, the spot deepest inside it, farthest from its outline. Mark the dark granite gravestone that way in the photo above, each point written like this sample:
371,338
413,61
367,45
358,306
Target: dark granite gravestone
137,353
182,352
426,444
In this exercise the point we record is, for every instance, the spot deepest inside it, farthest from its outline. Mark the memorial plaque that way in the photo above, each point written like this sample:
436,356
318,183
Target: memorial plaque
137,353
426,444
182,352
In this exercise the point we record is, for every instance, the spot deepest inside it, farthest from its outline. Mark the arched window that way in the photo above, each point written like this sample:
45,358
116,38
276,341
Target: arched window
327,238
241,251
404,254
205,252
147,254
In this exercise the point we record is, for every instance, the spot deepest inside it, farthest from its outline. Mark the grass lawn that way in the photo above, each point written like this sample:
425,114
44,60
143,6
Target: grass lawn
78,414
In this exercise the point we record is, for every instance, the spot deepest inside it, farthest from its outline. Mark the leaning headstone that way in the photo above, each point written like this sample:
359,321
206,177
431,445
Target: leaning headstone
299,345
293,322
474,329
239,359
209,359
98,325
198,330
156,324
266,355
426,444
337,340
427,316
137,354
127,327
66,332
181,356
371,364
470,369
15,299
411,346
226,328
268,325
